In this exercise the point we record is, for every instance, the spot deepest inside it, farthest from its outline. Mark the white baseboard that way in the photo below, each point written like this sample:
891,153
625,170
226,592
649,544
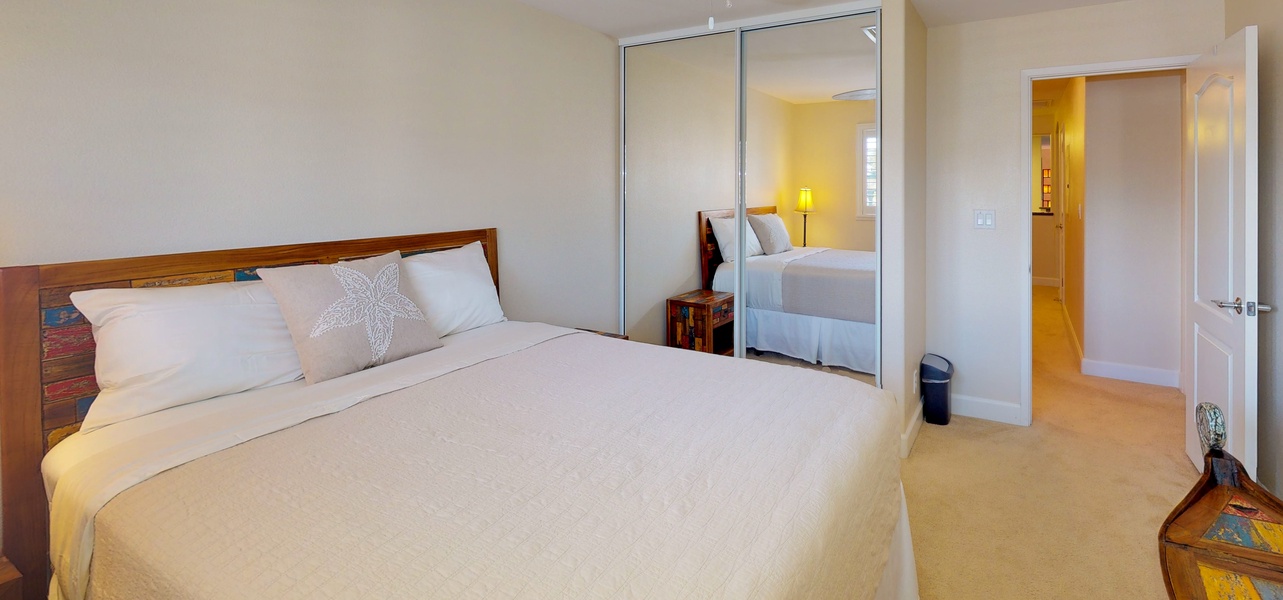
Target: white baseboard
1073,334
985,408
1134,373
910,434
1047,281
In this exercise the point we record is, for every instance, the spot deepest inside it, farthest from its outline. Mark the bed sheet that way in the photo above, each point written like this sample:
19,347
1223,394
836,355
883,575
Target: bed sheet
554,465
818,282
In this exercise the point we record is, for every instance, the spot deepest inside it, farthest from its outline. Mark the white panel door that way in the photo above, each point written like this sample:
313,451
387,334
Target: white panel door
1221,133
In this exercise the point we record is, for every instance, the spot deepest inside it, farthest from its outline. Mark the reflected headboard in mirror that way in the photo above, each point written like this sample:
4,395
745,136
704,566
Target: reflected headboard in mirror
709,255
47,355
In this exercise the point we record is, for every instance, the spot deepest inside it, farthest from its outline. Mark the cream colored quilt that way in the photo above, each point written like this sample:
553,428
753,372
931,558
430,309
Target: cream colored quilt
817,282
578,467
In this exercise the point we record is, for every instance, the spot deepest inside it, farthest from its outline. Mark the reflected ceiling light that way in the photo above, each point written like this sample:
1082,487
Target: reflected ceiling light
864,94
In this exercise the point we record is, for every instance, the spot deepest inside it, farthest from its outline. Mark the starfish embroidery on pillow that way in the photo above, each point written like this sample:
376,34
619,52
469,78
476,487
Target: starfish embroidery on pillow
376,303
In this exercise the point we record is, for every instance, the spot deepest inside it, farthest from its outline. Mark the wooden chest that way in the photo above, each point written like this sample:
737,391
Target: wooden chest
1225,539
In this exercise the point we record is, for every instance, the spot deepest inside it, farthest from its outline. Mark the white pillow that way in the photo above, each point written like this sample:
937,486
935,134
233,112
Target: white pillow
454,288
164,347
771,232
724,231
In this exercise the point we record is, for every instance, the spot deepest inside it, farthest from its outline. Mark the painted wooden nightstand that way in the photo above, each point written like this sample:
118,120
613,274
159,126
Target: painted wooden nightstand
702,320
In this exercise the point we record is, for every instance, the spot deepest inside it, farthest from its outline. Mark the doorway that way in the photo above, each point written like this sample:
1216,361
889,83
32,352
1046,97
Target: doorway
1063,186
1106,246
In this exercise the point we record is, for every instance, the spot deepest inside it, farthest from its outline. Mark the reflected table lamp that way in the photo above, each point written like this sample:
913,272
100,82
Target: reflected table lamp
806,206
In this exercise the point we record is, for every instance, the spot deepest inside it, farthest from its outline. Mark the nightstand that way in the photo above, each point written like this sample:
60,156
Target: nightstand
702,320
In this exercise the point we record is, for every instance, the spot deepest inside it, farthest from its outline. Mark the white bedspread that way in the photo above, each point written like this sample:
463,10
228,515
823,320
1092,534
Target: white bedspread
517,462
818,282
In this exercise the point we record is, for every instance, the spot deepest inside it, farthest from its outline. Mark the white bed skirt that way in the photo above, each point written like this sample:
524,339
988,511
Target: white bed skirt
900,577
849,344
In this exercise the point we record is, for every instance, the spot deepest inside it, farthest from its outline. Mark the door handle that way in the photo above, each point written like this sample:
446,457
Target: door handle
1237,304
1253,308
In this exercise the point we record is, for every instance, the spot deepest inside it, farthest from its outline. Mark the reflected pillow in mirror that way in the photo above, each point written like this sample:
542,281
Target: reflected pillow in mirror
724,231
771,232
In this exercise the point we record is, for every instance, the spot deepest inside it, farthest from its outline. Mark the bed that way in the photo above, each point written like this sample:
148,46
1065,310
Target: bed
814,304
516,460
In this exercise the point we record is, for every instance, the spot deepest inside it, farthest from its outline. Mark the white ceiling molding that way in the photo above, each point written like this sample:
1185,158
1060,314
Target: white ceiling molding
632,18
800,64
641,21
782,18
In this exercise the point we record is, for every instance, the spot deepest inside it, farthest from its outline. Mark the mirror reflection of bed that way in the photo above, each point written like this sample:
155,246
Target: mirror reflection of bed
815,304
810,100
803,304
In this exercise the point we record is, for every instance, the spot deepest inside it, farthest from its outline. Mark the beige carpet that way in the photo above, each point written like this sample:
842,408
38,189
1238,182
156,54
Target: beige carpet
1067,508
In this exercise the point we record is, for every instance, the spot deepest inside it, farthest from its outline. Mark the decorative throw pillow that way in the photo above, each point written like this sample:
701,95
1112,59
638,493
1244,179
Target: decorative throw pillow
164,347
724,231
454,288
349,316
771,233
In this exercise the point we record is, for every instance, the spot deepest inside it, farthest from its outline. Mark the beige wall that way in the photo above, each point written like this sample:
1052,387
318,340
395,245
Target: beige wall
1268,16
1133,233
826,157
1071,113
151,127
1046,267
1046,244
1035,171
904,210
144,127
680,133
771,159
976,291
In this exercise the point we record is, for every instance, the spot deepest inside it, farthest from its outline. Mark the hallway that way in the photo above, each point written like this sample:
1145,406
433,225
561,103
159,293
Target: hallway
1067,508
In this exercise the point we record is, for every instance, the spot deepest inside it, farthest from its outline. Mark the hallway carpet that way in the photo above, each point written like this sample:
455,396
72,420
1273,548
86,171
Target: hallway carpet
1067,508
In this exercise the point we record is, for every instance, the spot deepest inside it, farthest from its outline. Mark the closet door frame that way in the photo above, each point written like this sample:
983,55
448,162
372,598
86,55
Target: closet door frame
741,29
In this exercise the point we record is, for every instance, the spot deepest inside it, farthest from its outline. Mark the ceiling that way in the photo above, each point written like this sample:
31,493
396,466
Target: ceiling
951,12
1049,90
812,62
628,18
800,64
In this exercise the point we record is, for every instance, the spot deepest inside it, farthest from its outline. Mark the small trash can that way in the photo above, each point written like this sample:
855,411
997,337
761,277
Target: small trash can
937,372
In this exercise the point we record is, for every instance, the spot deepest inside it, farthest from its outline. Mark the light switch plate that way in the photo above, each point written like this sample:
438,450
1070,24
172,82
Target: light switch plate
985,219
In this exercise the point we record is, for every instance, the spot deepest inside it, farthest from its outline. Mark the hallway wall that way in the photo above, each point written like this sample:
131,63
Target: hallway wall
1132,238
1071,110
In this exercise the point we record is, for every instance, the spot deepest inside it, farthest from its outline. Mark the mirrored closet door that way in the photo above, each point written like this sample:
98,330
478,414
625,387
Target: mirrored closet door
811,188
679,136
803,99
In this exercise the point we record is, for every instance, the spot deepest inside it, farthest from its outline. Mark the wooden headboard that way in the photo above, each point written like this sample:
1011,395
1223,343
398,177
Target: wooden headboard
47,355
709,255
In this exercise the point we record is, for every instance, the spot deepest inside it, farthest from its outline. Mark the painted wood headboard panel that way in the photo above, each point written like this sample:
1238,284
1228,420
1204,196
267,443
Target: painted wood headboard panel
47,355
709,255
